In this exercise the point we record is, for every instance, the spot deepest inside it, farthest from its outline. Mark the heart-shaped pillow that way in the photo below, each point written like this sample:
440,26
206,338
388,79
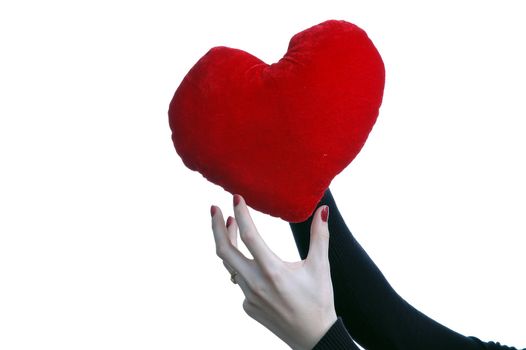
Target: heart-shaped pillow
278,134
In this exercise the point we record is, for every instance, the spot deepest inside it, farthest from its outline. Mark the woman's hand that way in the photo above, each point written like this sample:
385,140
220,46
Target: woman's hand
294,300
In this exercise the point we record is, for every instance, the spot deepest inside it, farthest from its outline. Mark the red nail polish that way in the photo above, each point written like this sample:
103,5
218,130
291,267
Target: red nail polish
229,221
213,210
237,199
325,213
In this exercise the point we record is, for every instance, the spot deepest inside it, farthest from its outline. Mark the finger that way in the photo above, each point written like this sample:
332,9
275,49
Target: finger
319,237
231,227
229,268
231,236
224,248
238,278
250,236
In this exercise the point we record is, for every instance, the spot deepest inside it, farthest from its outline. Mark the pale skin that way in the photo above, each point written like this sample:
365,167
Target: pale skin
294,300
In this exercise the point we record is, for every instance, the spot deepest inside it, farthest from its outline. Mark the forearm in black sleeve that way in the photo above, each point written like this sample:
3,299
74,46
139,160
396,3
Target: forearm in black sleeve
373,313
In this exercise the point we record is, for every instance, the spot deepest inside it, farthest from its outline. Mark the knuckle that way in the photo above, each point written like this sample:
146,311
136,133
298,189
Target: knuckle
249,296
249,307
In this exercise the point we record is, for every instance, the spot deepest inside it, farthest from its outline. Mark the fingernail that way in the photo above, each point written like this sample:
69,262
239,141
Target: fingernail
213,210
325,213
229,221
237,199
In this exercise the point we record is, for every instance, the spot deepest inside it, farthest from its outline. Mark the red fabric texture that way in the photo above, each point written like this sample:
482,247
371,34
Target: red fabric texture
278,134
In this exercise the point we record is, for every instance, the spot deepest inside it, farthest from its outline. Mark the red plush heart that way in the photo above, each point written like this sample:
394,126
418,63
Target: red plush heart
278,134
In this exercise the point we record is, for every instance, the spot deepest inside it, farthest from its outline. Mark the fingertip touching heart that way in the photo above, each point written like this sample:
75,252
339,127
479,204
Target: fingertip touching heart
278,134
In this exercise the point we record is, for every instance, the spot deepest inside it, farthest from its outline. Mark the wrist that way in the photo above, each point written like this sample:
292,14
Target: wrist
317,333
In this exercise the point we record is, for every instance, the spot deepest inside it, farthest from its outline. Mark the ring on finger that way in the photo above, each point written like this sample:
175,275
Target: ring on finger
233,277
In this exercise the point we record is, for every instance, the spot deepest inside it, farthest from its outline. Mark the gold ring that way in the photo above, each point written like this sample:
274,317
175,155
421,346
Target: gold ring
233,277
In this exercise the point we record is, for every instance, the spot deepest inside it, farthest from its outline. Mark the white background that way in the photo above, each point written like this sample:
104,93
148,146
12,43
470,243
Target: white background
105,237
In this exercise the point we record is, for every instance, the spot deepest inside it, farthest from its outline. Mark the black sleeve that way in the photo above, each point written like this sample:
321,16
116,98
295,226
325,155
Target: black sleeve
375,316
491,345
336,338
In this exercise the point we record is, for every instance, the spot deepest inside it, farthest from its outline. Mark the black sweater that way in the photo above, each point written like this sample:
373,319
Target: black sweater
369,310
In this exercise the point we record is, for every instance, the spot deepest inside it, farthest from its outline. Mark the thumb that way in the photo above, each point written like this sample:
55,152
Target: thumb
319,236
